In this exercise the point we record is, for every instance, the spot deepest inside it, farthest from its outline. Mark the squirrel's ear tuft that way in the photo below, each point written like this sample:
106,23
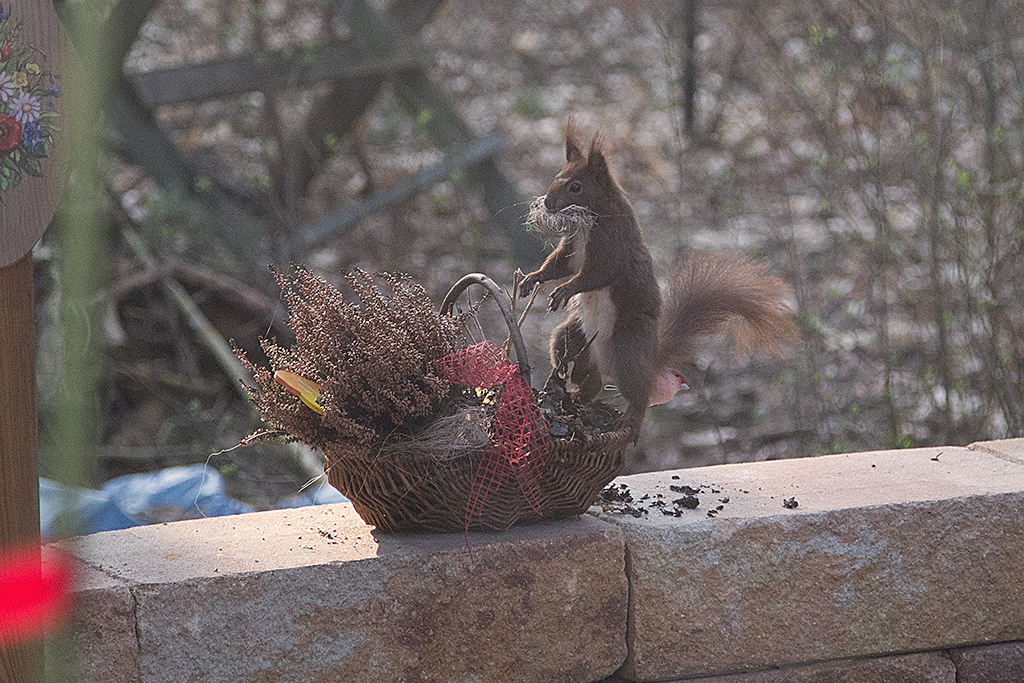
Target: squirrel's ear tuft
573,152
596,161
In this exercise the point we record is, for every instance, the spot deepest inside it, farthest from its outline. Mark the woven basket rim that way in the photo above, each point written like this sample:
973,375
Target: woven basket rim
616,438
602,440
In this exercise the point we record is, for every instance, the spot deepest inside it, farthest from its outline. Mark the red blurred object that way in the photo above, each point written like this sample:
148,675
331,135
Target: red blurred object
34,594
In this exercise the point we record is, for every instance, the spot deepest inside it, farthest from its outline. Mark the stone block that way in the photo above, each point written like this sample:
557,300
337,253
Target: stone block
102,629
1008,449
925,667
313,594
999,663
884,552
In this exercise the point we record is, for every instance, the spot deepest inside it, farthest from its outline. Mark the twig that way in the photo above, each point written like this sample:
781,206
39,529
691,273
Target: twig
344,220
219,78
146,373
126,284
518,278
213,340
249,297
204,329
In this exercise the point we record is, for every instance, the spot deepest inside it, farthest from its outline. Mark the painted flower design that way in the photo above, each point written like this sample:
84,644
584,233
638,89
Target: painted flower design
28,115
25,108
30,133
10,134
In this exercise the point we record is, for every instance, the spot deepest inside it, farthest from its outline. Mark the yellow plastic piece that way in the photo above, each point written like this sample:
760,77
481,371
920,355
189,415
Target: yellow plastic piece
307,390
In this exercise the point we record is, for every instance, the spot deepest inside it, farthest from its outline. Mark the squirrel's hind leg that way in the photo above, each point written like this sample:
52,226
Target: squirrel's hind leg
634,346
572,367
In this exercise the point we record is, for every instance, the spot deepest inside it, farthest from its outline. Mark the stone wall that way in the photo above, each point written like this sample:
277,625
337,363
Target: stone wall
903,566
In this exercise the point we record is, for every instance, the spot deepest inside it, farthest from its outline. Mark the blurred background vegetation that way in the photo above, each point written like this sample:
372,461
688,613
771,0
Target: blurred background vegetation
871,152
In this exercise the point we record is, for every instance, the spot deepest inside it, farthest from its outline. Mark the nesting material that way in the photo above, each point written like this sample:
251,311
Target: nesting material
465,433
564,223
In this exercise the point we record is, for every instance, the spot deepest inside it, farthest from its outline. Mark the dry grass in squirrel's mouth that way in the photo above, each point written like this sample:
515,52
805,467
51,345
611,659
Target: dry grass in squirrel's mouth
564,223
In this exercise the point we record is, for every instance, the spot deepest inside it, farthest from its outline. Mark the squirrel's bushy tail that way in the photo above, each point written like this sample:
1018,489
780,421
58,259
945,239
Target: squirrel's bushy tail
715,293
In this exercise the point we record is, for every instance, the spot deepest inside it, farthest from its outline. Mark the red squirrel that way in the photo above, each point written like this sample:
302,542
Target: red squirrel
619,330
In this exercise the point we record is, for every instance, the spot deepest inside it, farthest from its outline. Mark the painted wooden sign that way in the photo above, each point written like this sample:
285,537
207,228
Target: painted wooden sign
33,63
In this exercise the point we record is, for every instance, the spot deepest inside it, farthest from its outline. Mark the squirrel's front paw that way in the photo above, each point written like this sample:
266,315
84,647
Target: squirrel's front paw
558,297
527,285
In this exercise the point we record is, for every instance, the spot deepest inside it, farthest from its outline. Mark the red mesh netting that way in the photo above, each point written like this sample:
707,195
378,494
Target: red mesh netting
519,437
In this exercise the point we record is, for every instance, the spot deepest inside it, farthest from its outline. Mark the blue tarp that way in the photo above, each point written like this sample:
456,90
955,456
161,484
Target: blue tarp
174,493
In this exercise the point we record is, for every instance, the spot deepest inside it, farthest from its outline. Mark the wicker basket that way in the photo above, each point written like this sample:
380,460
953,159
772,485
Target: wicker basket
420,494
414,492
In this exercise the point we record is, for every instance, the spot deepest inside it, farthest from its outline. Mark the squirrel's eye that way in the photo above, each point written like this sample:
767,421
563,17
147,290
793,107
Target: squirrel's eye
575,187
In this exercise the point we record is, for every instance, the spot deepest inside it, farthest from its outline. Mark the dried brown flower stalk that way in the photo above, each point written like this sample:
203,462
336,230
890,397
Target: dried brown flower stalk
373,360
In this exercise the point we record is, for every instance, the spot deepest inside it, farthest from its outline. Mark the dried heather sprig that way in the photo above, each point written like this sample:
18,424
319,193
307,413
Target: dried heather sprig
563,223
373,359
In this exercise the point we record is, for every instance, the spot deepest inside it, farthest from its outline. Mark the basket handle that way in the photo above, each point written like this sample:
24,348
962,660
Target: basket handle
487,283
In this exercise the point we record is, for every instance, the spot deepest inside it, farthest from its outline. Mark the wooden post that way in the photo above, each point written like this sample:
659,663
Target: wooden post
19,515
35,168
19,483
